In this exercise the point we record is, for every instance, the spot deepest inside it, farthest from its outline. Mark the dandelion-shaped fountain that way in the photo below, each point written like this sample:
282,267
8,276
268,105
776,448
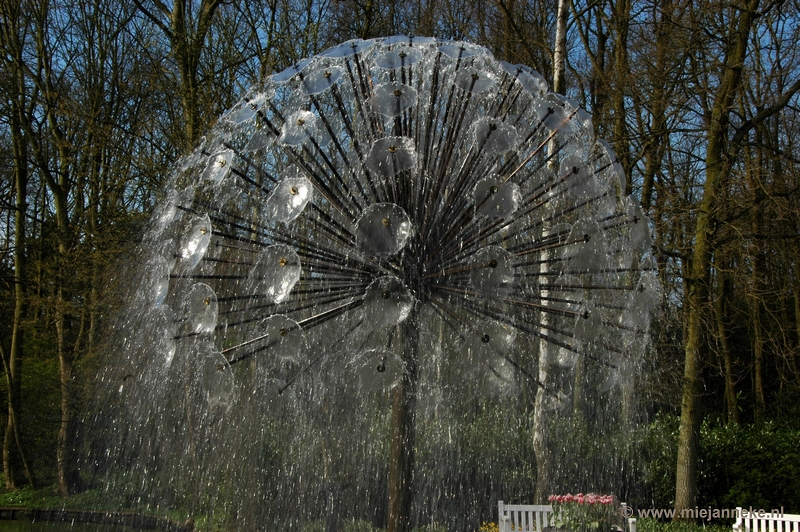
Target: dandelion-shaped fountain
388,213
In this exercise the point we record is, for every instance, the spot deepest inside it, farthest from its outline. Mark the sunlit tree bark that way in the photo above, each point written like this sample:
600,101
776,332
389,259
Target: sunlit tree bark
723,143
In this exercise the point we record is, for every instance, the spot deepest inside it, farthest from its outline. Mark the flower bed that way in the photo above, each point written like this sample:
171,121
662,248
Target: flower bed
584,513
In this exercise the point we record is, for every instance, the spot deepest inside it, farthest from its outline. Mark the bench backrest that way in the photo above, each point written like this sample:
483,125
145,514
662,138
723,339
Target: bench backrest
525,517
767,523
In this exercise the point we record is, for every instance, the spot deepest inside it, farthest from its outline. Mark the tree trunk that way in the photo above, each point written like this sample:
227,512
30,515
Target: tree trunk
13,63
717,165
13,366
621,17
65,376
60,192
793,359
577,392
721,307
560,50
404,400
756,295
187,38
654,146
686,475
541,447
541,444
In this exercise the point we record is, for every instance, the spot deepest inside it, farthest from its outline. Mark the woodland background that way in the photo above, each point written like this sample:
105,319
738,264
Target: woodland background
698,98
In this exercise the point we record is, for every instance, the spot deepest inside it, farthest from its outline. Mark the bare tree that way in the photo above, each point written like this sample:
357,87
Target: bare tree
186,25
19,107
723,145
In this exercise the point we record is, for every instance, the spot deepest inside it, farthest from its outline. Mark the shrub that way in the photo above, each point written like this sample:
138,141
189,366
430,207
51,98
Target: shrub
754,465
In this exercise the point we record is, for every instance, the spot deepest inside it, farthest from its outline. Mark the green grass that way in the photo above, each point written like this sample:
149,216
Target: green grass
652,525
96,500
28,497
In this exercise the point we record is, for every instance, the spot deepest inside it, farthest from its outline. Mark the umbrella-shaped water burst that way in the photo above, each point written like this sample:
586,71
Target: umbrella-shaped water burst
390,188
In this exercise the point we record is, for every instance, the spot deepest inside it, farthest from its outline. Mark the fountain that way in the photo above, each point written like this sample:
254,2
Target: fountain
376,280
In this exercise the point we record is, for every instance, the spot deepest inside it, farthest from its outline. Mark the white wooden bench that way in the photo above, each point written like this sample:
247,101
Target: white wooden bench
525,517
535,517
751,521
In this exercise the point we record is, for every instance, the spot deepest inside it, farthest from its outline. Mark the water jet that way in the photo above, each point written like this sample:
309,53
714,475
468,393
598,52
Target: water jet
383,245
